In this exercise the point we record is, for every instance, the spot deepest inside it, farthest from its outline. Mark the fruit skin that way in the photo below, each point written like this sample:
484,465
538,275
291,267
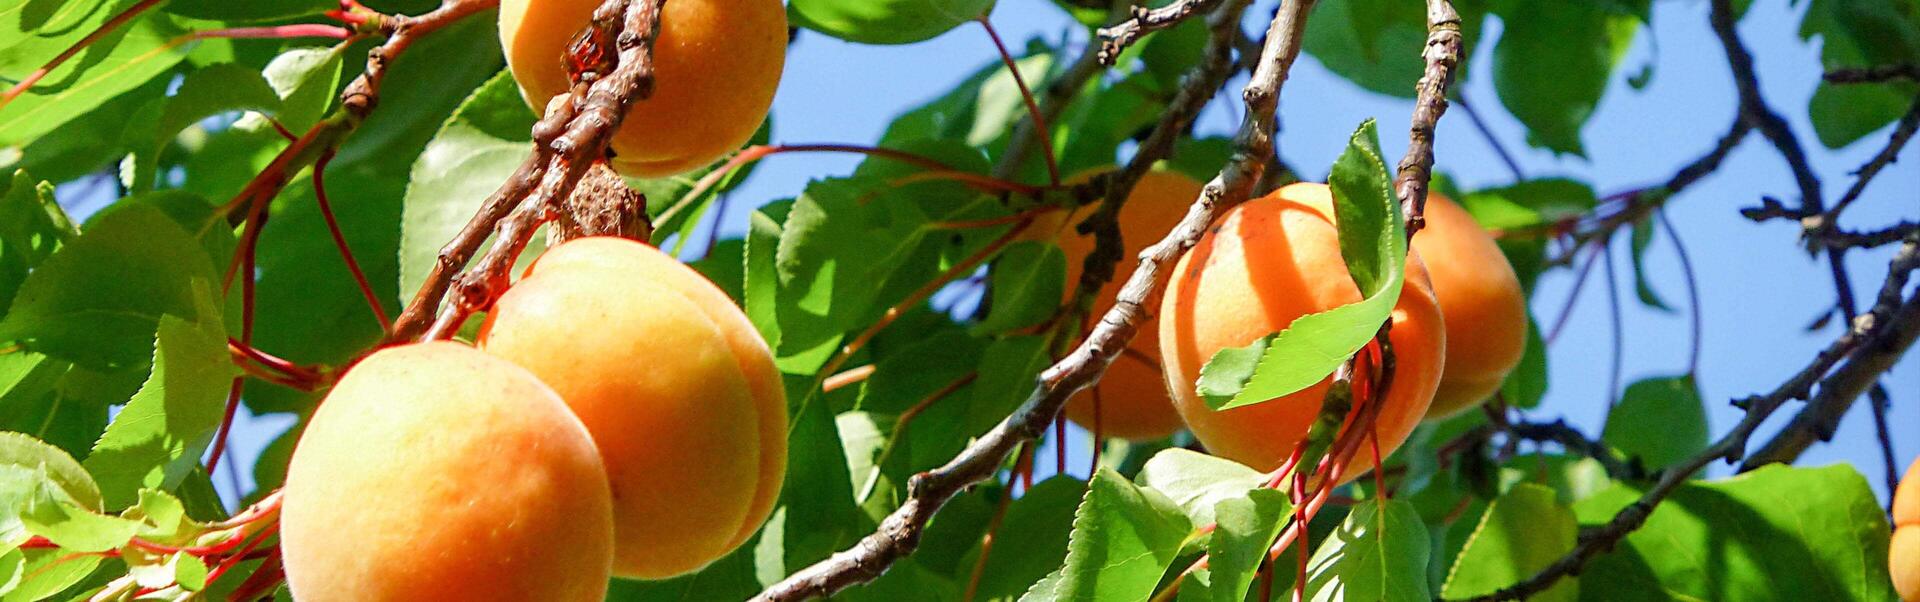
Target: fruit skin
1261,265
676,386
1134,403
716,66
1903,553
1480,295
437,472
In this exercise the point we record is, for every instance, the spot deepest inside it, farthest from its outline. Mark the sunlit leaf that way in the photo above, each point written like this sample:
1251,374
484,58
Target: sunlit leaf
1124,537
1659,420
1521,533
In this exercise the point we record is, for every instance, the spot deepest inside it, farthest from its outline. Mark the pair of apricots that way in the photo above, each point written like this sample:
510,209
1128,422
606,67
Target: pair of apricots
1459,327
619,416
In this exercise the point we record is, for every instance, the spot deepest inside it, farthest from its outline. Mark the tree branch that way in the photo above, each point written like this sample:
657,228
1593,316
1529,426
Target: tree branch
1875,74
900,532
1902,132
1874,342
1442,55
1115,38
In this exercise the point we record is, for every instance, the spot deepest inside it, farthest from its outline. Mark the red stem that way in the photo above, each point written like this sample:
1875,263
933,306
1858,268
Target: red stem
1026,95
277,32
105,28
340,241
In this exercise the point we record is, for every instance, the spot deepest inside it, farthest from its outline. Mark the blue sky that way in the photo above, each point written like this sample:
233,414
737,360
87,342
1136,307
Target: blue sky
1759,289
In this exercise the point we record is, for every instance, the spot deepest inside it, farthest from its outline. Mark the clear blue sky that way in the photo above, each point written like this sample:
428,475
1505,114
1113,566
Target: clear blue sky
1758,287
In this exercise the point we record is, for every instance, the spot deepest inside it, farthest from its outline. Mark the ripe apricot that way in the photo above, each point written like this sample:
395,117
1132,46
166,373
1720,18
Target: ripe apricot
1132,396
1480,295
676,386
437,472
715,67
1261,265
1903,553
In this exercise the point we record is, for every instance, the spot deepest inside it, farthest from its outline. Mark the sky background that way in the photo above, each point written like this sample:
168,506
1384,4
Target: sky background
1758,288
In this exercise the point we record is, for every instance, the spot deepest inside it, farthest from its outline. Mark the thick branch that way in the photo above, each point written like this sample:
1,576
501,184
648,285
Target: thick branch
899,533
1442,56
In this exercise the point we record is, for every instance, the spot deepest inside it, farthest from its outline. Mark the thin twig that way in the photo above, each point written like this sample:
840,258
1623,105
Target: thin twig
1902,132
1026,96
1141,21
1574,441
900,532
1694,315
1875,74
1486,132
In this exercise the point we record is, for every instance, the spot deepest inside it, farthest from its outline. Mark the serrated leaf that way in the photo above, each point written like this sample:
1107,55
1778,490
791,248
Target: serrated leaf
122,60
1028,281
1660,420
1642,238
304,80
885,21
98,299
29,469
32,227
159,436
1198,482
1031,540
1776,533
1245,528
1374,246
1124,537
48,572
1523,531
459,169
1378,553
74,529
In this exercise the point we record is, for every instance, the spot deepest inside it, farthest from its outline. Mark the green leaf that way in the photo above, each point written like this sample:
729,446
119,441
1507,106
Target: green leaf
1641,239
85,144
1373,44
1006,379
1522,532
122,60
32,227
1124,537
252,10
1376,554
48,514
1527,384
1031,540
462,165
202,94
834,250
1853,34
1842,114
817,514
13,567
1572,478
1198,482
30,469
420,91
160,434
1373,243
1246,527
980,110
1660,420
304,80
98,299
885,21
1777,533
49,571
1552,65
904,377
1028,281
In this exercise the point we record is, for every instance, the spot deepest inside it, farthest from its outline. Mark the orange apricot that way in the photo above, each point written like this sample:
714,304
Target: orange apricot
678,389
437,472
1480,295
1903,553
1261,265
716,65
1132,396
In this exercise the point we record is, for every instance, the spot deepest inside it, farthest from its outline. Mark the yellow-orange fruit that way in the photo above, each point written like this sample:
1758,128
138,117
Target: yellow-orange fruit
676,386
716,65
1903,553
1481,298
1261,265
437,472
1133,400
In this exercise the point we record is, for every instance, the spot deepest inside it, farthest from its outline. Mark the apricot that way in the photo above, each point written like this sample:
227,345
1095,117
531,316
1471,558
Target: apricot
677,387
437,472
1903,553
1133,399
1261,265
1481,298
716,65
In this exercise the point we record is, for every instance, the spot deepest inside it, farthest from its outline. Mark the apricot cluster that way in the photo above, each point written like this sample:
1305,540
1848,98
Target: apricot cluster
619,416
1458,328
716,65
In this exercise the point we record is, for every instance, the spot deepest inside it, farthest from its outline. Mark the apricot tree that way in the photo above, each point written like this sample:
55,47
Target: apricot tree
483,256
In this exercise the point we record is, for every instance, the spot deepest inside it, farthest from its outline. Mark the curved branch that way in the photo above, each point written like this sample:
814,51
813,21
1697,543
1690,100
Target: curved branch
1442,54
1115,38
900,532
